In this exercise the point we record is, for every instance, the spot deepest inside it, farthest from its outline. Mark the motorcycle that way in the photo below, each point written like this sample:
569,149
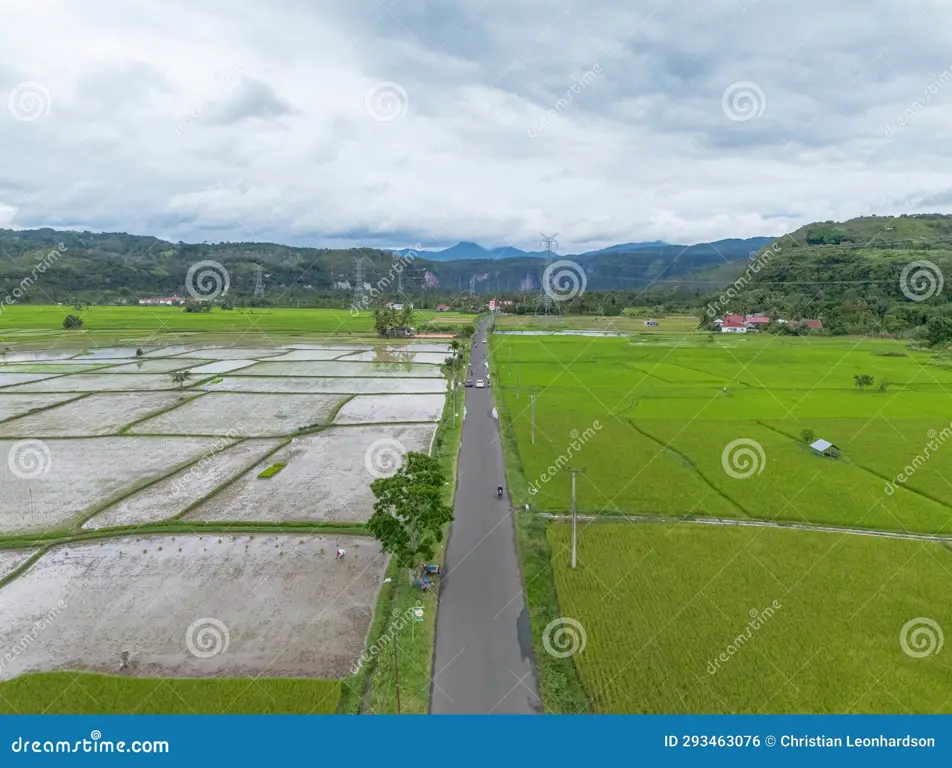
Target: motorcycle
498,491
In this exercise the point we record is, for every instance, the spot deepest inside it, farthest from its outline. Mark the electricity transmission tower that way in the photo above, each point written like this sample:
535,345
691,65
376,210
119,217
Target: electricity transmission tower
259,282
549,244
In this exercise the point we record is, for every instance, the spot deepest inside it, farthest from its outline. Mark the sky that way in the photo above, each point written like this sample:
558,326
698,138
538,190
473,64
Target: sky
420,123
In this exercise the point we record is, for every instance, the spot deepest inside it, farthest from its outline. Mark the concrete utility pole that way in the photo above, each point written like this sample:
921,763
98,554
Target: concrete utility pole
574,471
532,394
396,669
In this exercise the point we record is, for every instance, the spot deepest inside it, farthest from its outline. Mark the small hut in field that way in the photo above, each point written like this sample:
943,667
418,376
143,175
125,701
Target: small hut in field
825,448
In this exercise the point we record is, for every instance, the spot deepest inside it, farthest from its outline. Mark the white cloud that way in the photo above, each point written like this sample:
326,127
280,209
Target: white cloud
195,121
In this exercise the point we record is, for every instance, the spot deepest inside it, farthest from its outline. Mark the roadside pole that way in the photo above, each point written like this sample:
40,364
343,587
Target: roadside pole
396,668
533,396
574,470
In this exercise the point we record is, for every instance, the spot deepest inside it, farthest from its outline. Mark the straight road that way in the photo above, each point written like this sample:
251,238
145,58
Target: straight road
483,662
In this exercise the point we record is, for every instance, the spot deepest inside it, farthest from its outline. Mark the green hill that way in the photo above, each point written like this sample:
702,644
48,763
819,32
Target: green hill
873,274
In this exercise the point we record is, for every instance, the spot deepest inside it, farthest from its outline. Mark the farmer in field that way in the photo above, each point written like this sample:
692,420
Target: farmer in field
340,554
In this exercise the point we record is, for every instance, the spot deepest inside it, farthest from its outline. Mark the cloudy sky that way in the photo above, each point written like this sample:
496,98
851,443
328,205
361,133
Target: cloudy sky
405,122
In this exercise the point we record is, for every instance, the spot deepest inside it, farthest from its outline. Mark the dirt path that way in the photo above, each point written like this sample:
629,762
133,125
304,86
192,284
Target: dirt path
746,523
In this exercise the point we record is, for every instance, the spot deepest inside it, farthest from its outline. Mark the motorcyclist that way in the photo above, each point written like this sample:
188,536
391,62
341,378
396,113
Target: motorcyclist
499,491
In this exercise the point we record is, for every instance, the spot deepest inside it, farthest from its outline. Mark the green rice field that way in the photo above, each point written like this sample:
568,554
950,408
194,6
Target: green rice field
76,693
679,424
659,605
667,408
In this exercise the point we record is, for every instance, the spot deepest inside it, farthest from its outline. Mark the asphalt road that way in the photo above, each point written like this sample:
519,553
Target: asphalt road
483,662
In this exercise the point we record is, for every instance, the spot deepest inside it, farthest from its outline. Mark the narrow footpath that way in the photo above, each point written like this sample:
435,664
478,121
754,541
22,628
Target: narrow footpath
483,663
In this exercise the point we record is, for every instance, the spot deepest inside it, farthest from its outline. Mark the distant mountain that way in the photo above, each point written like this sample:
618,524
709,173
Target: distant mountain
624,247
466,251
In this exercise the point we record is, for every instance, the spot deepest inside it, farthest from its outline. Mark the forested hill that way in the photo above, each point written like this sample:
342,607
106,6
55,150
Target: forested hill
106,267
865,274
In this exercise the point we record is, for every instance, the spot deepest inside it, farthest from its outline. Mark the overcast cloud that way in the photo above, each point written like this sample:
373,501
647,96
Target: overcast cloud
397,122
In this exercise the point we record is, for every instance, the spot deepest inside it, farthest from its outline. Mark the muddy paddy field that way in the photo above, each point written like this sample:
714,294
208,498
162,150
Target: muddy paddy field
159,480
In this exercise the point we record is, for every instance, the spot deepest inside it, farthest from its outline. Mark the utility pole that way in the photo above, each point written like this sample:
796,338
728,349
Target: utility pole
532,394
509,371
396,668
574,471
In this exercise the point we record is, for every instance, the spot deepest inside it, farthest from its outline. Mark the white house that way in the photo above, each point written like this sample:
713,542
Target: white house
733,328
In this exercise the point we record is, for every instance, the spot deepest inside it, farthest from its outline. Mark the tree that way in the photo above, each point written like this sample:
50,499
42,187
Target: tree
409,513
884,385
457,346
939,330
406,315
384,319
139,352
72,321
863,380
808,436
179,378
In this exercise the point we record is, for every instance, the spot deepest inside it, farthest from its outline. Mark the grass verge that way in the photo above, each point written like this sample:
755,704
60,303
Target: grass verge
394,633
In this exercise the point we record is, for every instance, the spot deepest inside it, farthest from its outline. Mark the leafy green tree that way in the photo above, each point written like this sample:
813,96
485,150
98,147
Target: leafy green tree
409,513
179,378
808,435
863,380
139,352
884,385
71,322
939,330
406,315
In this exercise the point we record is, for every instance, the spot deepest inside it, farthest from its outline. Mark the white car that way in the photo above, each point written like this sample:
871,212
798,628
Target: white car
479,384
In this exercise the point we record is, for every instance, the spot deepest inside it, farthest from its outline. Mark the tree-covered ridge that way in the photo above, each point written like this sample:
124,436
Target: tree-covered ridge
109,266
872,274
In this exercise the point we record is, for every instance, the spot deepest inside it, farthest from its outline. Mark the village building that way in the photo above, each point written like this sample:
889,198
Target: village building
167,301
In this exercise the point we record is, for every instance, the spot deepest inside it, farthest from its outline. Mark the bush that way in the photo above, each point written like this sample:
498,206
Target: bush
808,435
72,321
